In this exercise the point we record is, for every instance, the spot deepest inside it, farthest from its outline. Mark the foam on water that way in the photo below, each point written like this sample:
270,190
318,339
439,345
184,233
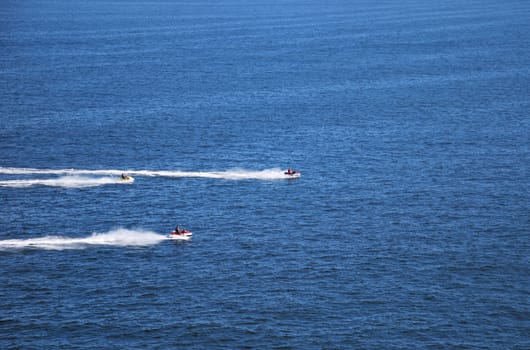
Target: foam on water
233,174
120,237
73,181
29,171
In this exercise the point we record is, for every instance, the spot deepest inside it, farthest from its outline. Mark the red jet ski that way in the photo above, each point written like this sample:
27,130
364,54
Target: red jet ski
180,234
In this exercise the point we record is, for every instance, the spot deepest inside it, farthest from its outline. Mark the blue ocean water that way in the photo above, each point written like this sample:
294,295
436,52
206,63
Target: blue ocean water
408,229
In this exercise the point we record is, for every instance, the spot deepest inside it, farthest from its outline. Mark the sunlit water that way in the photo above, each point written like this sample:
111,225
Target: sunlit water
408,228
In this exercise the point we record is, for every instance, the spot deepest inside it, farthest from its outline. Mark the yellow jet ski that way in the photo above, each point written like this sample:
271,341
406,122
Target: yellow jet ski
126,178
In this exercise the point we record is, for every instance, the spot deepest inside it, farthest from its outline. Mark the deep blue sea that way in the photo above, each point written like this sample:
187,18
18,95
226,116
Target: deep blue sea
409,227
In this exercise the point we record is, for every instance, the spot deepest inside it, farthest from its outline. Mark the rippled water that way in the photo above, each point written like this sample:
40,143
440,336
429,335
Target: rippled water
408,228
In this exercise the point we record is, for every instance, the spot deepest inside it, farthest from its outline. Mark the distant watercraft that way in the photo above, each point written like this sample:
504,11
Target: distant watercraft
180,234
126,179
292,173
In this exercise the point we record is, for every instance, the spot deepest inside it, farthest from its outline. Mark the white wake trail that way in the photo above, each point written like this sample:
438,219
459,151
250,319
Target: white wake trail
63,181
30,171
233,174
120,238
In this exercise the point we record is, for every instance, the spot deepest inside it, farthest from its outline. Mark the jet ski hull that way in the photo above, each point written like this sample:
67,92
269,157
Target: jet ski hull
127,180
180,236
294,175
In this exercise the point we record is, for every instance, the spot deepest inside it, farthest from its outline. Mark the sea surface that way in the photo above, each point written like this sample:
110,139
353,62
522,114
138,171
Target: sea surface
409,227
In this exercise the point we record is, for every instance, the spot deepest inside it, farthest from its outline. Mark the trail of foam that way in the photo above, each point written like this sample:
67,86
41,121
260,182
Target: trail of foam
64,181
233,174
119,237
29,171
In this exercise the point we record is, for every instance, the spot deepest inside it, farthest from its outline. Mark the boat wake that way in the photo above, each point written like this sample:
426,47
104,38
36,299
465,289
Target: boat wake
64,181
233,174
120,238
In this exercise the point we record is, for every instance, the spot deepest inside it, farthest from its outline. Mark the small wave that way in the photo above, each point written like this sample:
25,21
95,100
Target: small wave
120,237
233,174
64,181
